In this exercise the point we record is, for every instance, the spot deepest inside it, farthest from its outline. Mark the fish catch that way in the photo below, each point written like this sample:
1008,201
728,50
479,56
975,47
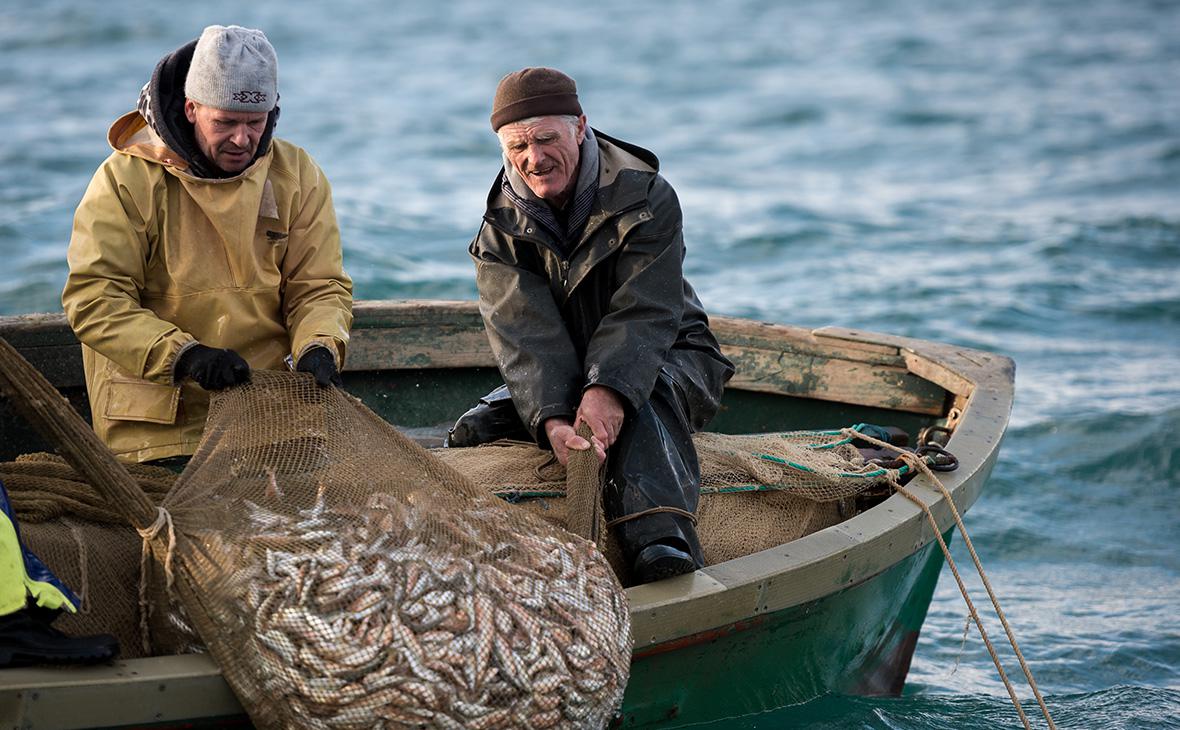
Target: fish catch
382,615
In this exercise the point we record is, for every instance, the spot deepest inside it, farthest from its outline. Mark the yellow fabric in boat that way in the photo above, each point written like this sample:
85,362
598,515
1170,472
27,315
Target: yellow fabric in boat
16,587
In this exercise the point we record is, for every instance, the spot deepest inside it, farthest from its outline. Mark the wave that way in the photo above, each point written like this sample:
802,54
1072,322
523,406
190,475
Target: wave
1114,708
1102,449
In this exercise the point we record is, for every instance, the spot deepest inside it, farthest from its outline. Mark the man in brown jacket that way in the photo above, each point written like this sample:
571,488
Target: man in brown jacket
578,264
202,248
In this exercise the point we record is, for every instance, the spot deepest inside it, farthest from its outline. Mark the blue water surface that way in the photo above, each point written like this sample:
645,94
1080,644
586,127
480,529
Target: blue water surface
1000,174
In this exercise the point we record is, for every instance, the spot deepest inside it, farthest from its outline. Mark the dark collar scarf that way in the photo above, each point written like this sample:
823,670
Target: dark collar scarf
579,206
161,103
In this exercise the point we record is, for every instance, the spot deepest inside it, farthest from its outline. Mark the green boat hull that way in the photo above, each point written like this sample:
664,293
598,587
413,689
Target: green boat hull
857,641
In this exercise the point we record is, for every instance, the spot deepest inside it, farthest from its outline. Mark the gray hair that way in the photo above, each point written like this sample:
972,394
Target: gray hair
570,119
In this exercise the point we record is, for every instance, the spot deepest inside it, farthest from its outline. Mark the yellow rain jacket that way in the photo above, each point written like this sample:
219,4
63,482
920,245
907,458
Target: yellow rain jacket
159,258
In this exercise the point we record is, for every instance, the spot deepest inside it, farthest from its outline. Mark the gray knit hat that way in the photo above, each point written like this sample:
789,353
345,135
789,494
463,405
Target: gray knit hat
234,69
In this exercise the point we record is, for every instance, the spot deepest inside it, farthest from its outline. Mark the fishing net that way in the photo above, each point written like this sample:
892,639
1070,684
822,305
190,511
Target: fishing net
343,578
50,488
100,563
757,493
72,528
346,578
818,466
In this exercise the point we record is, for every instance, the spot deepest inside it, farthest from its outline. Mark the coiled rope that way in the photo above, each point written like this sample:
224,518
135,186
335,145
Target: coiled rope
920,464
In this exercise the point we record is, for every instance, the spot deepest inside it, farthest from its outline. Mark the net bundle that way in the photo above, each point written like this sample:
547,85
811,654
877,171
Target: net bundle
758,491
342,577
819,466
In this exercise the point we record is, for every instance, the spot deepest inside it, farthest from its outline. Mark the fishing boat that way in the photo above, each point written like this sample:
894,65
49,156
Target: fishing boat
836,611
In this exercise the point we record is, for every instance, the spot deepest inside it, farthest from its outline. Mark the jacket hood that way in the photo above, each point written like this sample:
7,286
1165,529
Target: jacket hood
631,156
161,104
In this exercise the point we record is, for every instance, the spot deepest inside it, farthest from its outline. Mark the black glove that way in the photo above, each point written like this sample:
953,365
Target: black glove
211,367
320,362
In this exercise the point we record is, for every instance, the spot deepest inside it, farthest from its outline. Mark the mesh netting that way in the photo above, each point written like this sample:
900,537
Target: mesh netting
757,492
342,577
819,466
47,487
99,562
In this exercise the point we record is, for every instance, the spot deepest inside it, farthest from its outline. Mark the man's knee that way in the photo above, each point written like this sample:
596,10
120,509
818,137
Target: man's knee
696,381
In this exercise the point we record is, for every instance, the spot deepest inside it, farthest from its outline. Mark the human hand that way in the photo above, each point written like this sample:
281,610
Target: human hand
213,368
602,410
320,362
563,438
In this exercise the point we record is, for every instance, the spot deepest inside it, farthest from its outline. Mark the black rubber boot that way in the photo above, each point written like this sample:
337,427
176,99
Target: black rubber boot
27,638
492,419
659,561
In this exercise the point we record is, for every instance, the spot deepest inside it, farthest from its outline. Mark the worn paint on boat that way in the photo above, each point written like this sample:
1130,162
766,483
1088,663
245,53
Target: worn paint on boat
835,611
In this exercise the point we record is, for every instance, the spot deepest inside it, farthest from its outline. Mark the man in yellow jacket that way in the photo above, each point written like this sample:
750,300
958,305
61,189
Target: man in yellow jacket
202,248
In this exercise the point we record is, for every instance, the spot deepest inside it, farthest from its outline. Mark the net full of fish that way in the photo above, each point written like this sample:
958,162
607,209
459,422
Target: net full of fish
389,614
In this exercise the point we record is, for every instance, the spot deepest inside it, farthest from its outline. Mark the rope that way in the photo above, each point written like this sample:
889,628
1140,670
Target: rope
83,565
920,464
962,644
654,510
551,463
163,518
970,605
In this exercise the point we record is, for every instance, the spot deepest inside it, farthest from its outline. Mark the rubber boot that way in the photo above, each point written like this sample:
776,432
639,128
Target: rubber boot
27,638
492,419
659,561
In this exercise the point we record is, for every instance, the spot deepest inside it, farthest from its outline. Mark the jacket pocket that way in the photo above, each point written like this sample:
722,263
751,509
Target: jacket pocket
140,400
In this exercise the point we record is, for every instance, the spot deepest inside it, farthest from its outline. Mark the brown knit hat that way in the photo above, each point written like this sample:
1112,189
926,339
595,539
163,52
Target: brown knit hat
534,92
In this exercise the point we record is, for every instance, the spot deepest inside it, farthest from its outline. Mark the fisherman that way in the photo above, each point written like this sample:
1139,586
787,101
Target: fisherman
579,270
202,248
31,597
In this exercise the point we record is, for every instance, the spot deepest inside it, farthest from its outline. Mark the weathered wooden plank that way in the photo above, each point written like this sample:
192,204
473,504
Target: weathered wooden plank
834,366
729,330
844,381
854,340
938,373
128,692
770,358
37,330
416,313
946,365
441,346
741,332
763,370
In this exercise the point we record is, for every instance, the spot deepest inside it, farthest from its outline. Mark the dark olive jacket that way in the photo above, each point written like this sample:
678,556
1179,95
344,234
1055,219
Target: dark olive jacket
609,312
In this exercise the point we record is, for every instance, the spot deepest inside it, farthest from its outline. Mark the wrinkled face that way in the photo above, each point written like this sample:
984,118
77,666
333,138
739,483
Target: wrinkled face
544,151
228,139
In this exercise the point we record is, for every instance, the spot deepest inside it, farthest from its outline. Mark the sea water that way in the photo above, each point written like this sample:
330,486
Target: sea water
999,174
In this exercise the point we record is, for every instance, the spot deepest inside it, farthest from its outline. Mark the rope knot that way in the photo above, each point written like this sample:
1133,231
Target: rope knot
163,519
